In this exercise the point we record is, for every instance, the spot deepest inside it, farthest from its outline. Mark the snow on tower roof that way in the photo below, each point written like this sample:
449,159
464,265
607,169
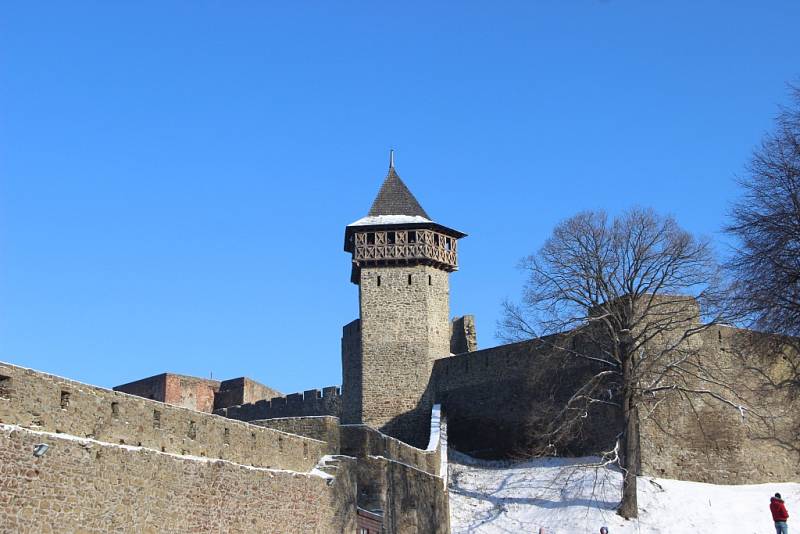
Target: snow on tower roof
370,220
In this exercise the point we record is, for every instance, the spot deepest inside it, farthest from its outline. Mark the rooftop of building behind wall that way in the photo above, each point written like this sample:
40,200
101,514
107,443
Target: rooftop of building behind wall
202,394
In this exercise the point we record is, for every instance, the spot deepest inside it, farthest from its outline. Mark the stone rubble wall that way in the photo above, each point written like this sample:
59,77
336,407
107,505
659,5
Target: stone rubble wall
412,501
362,441
405,485
45,402
352,373
699,438
499,400
463,335
322,428
89,487
405,327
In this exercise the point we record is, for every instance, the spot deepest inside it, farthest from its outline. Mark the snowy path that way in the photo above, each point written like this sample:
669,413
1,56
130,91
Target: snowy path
488,497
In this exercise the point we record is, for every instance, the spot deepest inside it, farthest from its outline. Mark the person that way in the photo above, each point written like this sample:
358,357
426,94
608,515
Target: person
603,530
779,514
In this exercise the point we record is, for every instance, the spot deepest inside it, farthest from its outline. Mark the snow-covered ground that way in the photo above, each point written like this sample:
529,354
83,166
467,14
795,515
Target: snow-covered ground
565,498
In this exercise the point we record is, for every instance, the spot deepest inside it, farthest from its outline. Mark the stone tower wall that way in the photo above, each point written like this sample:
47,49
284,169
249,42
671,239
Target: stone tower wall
352,373
404,328
463,335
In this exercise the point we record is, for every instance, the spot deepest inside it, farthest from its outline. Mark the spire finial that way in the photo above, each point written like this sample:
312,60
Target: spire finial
391,158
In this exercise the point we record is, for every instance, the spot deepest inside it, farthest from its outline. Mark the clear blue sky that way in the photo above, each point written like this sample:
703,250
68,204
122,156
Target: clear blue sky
175,177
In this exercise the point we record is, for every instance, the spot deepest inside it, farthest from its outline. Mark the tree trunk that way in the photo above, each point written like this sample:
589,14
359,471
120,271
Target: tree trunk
629,506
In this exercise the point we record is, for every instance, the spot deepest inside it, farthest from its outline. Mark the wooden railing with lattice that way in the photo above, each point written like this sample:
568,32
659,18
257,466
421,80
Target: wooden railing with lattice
410,245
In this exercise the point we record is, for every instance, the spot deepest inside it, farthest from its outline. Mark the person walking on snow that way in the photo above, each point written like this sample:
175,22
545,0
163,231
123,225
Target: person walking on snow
779,514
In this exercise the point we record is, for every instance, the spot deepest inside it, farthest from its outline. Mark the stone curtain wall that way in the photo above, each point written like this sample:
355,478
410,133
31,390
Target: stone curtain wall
362,441
45,402
407,486
413,501
323,428
312,402
498,400
699,438
400,483
89,487
405,327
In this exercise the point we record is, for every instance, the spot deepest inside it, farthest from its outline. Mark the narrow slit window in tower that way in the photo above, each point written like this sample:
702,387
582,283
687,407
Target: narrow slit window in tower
379,281
430,280
409,279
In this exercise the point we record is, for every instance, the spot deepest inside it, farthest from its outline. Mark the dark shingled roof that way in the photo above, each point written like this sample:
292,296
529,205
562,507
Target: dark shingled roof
394,198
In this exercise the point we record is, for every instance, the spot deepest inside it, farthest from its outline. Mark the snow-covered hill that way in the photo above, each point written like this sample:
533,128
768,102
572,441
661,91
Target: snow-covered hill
566,498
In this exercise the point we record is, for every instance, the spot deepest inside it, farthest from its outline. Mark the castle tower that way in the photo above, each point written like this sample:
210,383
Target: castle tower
401,263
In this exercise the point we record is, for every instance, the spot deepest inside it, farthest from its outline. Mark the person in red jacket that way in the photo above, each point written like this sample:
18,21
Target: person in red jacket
779,514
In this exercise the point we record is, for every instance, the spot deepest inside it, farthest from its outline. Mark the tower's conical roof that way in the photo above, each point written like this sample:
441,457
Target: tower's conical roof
394,198
395,206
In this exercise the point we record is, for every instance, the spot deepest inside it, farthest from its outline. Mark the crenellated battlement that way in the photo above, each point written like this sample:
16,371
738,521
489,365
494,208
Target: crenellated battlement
312,402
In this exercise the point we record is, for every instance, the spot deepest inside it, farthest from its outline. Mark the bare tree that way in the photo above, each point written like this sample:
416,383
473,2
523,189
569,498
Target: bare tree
623,296
766,222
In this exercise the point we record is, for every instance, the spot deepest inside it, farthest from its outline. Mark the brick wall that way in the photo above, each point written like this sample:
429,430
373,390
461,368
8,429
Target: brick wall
186,391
